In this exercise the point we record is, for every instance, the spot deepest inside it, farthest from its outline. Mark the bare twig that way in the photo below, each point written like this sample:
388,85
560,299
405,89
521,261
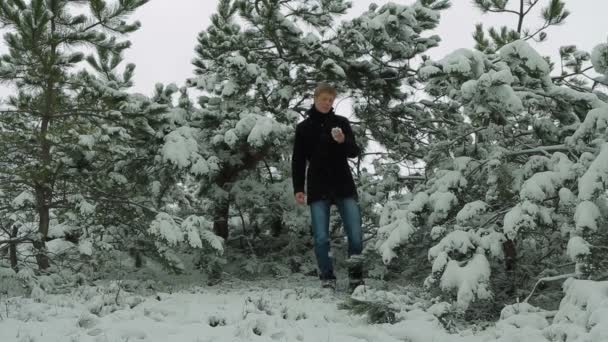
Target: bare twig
545,279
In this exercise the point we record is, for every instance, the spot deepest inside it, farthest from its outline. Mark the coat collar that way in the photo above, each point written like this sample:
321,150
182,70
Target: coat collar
314,114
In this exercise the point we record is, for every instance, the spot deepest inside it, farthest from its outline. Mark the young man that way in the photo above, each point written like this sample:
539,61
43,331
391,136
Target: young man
324,141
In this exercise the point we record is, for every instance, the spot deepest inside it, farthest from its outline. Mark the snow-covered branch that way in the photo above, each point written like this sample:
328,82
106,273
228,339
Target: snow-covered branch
547,279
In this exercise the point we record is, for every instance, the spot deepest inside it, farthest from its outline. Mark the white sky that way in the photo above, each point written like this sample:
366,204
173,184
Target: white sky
164,46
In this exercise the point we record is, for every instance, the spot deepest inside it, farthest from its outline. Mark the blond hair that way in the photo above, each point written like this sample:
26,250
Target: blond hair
325,88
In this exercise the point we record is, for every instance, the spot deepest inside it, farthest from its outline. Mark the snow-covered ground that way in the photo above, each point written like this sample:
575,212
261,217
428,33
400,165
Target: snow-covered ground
293,309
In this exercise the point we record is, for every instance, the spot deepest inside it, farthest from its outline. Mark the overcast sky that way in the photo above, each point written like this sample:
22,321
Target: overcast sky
164,46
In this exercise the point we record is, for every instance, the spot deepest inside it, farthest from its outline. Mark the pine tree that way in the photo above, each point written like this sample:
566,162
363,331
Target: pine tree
520,180
555,13
254,82
268,70
48,115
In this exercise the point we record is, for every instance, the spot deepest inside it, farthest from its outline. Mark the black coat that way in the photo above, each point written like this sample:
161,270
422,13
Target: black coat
328,175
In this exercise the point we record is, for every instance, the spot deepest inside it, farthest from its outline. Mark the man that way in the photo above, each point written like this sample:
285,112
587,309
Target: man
324,141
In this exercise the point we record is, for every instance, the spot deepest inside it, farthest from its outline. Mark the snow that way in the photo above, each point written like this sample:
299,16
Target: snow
442,203
335,51
574,96
599,58
437,232
449,180
164,226
521,50
60,229
85,247
458,240
428,71
469,89
583,311
286,92
22,198
155,188
180,147
58,246
492,90
440,262
398,232
464,61
469,281
586,216
566,197
86,207
331,65
238,61
230,138
522,215
229,88
577,247
264,129
198,229
253,69
491,241
281,310
536,164
501,77
563,166
470,211
523,315
86,140
311,39
239,312
461,163
245,124
595,124
540,186
594,181
201,167
419,202
118,178
506,96
191,226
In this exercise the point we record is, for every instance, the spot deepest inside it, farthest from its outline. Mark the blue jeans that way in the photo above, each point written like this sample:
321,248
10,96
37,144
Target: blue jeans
351,218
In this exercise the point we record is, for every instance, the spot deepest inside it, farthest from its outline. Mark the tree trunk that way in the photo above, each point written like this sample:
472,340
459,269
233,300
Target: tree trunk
510,252
43,187
12,249
220,219
276,226
43,230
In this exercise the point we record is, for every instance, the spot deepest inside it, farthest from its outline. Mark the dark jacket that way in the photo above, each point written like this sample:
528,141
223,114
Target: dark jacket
328,175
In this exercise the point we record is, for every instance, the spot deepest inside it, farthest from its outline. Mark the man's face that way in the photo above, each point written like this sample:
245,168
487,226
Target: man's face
324,102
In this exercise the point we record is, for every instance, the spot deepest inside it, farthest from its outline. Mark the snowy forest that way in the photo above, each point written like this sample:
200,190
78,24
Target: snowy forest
482,180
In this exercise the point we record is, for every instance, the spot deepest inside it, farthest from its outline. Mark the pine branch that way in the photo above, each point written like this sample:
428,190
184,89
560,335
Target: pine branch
532,4
18,240
557,78
412,178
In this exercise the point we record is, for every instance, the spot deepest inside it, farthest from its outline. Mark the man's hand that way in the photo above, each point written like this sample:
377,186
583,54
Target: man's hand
337,134
300,198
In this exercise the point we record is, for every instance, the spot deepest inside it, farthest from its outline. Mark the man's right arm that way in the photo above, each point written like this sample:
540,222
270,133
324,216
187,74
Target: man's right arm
298,162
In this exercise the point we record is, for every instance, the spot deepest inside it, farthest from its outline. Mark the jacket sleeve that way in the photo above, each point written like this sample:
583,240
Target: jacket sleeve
298,162
349,147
